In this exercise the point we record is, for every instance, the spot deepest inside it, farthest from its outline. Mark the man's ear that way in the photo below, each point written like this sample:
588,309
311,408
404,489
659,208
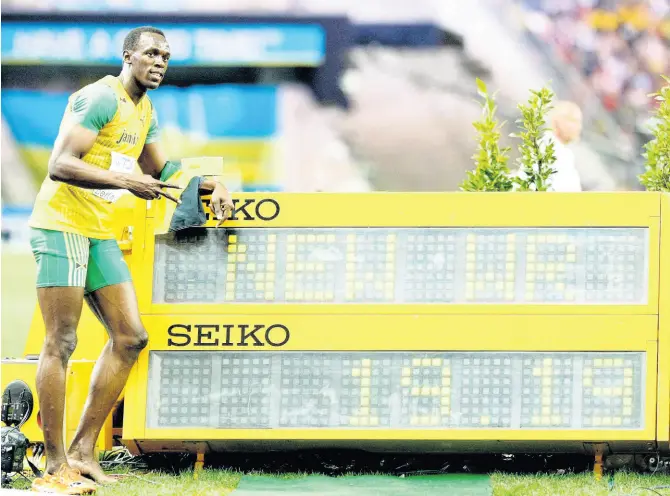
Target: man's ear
126,57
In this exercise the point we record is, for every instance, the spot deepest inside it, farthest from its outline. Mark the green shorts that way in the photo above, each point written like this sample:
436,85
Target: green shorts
66,259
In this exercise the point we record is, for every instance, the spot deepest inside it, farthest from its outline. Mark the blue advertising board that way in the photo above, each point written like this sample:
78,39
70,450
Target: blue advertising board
213,112
194,44
236,122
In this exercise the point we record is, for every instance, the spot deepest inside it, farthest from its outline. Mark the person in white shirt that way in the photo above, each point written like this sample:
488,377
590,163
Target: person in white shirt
565,121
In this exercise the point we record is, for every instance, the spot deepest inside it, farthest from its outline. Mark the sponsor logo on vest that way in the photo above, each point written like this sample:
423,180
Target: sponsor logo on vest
210,335
126,137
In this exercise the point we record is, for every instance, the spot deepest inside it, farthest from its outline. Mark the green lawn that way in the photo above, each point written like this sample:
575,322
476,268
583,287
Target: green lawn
18,301
577,485
222,482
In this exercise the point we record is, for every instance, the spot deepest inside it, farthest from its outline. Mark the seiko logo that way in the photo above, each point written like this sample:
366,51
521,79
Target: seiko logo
210,335
266,209
126,137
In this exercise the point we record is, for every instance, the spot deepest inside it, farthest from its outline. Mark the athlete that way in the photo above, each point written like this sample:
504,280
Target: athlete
108,128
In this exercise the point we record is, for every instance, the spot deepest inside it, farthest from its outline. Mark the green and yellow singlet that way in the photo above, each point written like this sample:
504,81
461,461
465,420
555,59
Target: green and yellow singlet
123,130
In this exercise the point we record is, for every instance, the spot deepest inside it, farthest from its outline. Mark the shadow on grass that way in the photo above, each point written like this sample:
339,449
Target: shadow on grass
342,462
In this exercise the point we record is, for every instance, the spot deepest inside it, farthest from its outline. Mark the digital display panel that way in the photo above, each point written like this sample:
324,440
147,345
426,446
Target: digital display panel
403,265
389,390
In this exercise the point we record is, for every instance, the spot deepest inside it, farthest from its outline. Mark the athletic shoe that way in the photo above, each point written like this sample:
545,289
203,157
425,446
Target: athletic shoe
65,481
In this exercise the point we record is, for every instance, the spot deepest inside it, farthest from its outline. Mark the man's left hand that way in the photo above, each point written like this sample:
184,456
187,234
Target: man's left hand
221,203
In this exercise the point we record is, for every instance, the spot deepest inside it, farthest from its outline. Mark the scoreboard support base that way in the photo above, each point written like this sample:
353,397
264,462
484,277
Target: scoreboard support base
199,464
386,446
598,464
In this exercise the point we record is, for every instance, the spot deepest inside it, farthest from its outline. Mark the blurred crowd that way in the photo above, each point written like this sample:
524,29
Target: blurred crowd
621,46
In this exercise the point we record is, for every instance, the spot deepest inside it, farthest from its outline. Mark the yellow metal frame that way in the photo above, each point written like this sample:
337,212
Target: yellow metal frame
663,420
383,327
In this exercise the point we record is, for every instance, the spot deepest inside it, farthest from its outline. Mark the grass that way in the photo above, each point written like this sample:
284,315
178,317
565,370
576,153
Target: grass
210,482
18,301
625,483
223,482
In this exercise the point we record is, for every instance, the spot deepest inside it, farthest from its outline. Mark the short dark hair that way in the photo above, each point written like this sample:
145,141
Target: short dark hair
133,37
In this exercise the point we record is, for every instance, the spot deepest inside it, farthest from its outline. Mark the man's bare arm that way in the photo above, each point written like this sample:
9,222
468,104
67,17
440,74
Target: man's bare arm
67,166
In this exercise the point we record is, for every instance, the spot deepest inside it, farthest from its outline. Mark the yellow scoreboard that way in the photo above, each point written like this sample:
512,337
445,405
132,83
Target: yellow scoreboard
433,322
429,322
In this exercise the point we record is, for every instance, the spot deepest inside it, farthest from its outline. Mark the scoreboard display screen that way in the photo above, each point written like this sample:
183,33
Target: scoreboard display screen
577,266
393,390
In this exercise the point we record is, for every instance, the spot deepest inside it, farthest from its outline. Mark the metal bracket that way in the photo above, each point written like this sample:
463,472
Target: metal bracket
199,464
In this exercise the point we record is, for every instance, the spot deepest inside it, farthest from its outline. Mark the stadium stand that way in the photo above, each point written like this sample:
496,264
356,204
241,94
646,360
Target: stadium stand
312,155
608,154
619,49
408,123
409,84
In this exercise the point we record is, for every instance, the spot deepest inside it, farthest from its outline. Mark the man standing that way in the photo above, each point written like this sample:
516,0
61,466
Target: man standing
108,128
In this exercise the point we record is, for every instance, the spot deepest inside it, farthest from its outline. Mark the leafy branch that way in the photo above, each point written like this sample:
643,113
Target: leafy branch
491,172
537,153
657,151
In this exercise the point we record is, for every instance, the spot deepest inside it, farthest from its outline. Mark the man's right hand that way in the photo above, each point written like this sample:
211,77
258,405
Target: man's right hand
148,188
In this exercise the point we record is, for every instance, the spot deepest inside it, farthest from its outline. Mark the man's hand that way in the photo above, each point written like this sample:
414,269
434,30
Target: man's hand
221,203
148,188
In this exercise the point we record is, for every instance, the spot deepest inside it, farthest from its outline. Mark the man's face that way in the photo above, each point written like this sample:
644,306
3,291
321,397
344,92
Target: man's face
569,127
149,61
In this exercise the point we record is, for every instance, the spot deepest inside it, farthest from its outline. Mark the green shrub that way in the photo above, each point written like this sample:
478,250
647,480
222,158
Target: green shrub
491,172
536,154
657,151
